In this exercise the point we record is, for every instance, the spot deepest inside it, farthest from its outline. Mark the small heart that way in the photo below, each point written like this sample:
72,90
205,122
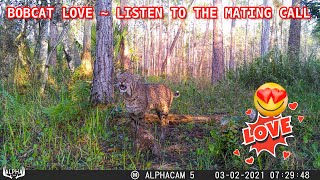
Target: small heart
293,106
236,152
249,111
249,160
264,94
286,154
300,118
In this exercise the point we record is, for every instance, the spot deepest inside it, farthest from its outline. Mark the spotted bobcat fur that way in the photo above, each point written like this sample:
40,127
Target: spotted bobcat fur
141,97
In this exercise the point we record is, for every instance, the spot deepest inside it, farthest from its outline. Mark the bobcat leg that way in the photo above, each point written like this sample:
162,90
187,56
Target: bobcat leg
143,137
133,125
164,125
137,123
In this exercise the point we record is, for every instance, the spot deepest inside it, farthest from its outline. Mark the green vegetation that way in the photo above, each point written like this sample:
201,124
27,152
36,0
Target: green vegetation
60,130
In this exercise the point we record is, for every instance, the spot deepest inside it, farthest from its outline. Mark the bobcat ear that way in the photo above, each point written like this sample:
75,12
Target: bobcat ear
118,74
136,78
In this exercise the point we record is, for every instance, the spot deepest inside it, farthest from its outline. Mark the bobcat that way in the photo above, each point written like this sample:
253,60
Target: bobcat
141,97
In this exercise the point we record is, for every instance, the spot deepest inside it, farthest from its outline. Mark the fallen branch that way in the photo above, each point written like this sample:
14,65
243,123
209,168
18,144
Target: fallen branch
178,119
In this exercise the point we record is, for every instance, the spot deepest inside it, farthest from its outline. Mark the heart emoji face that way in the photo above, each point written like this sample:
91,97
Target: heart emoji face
300,118
249,160
293,106
236,152
286,154
270,99
248,112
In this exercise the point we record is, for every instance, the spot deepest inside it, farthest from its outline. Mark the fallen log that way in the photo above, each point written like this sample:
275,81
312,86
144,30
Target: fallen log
178,119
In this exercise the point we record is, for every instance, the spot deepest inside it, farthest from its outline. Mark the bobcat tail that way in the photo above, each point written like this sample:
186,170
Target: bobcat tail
176,94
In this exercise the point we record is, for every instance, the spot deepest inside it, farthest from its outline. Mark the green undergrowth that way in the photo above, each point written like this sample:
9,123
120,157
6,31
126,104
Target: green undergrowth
60,129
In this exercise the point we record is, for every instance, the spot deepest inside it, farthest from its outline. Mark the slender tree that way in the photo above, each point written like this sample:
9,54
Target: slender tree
217,56
203,49
281,33
86,62
232,41
71,51
265,39
294,36
124,55
49,54
160,50
245,59
102,91
173,44
54,33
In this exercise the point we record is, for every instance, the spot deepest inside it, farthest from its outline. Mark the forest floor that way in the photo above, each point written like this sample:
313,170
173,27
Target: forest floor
60,130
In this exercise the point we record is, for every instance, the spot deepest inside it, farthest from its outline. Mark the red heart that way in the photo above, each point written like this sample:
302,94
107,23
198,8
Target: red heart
249,160
249,111
278,95
300,118
236,152
286,154
264,94
293,106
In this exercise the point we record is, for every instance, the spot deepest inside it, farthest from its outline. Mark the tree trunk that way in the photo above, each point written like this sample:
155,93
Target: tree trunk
39,47
232,41
217,58
193,63
71,52
53,40
165,69
86,62
53,34
246,41
189,55
148,43
43,51
102,91
124,52
160,51
23,49
294,37
281,34
170,50
135,45
265,33
49,55
203,49
151,52
273,30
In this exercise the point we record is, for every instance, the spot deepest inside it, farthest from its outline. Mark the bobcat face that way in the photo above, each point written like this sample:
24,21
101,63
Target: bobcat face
126,83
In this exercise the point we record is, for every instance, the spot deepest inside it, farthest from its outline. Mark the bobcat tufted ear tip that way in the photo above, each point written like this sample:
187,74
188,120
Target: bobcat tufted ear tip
136,77
118,74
